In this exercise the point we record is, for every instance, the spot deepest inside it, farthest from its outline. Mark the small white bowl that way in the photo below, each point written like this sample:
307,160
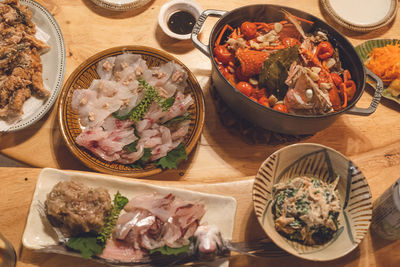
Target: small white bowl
177,5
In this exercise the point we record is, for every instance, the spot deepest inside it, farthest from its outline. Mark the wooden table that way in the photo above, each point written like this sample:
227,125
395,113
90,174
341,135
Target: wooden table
371,142
18,185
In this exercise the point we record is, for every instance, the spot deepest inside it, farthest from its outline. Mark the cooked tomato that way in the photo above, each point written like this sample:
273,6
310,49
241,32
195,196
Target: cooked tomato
337,80
222,54
281,108
324,50
245,88
264,101
289,41
248,29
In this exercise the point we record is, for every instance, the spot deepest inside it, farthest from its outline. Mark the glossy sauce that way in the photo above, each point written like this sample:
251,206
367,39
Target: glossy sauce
181,22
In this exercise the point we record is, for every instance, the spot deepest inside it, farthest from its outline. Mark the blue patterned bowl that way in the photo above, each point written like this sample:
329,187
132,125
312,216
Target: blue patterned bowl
321,162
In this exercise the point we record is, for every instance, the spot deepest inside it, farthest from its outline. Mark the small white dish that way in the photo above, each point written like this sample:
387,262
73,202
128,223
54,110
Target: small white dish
361,15
173,6
120,5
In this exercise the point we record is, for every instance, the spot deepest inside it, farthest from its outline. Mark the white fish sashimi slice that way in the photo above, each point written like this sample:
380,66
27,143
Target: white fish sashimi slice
133,102
158,206
181,131
143,125
104,88
179,107
130,64
154,113
101,109
162,73
80,99
138,220
128,158
162,150
105,68
127,59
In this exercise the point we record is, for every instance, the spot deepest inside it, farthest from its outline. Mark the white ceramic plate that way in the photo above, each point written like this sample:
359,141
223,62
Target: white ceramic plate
220,210
361,15
53,68
121,5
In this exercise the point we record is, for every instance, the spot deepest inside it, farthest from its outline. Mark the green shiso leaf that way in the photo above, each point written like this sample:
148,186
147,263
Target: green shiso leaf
87,246
172,159
274,71
165,250
178,119
131,147
140,163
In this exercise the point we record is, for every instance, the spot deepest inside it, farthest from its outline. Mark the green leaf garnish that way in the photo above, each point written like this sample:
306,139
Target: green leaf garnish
131,147
87,246
118,204
165,250
274,71
172,159
178,119
140,163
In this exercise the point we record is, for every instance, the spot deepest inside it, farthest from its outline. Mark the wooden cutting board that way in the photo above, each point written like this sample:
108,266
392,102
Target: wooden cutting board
18,185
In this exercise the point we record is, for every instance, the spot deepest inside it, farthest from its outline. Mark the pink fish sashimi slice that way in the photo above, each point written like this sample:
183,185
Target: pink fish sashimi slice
159,206
120,251
107,144
179,107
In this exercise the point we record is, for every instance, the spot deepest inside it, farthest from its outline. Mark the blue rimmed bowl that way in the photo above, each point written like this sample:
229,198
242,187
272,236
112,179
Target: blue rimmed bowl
324,163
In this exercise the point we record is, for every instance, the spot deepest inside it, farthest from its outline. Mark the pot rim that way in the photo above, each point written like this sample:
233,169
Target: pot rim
262,107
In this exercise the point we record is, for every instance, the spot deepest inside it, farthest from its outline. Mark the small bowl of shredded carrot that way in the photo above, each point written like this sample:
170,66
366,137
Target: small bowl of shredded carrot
382,57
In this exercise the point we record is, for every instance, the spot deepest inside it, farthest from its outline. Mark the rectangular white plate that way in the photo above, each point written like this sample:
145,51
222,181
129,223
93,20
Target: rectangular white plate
220,210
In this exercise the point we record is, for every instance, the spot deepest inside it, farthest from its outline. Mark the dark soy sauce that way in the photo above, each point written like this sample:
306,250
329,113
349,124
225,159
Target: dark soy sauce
181,22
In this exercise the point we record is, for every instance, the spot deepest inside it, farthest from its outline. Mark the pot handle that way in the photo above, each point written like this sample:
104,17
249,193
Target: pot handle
199,24
375,101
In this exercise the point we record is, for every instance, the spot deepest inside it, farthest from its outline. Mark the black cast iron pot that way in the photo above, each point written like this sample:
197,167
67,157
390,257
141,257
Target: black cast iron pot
269,118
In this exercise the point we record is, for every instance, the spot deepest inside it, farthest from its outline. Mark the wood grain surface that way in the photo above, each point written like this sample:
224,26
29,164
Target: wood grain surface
18,185
88,29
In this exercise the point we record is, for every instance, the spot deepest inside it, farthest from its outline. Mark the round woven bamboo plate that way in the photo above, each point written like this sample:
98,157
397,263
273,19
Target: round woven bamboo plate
82,77
361,15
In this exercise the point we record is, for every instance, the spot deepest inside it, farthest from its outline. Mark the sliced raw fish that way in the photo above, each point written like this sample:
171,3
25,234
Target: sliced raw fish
120,251
105,67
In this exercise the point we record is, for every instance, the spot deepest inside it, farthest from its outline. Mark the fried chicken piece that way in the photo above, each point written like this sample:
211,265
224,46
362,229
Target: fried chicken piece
18,99
41,46
20,65
37,80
